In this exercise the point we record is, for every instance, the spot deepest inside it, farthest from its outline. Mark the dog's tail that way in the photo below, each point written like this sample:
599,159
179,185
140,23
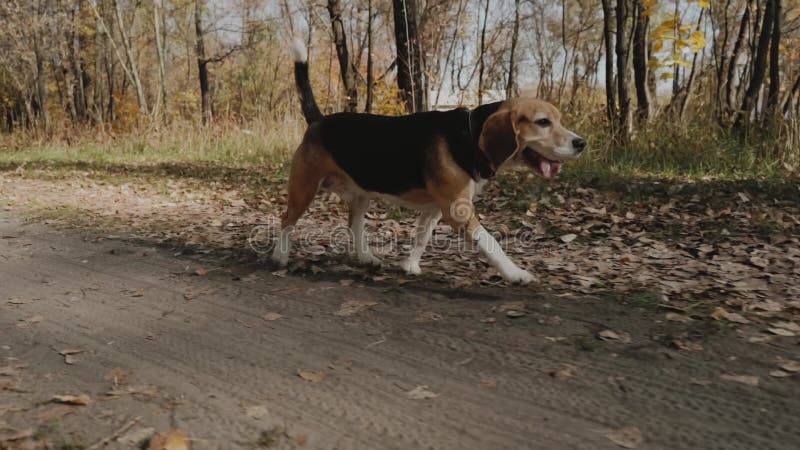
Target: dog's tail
310,109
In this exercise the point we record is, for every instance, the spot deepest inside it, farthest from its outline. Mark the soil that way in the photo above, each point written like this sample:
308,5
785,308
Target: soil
157,344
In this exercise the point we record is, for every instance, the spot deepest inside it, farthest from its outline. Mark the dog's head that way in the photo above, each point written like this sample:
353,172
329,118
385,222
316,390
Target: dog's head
526,131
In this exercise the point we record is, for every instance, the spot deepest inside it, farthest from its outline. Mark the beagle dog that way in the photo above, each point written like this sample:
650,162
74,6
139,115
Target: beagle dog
433,162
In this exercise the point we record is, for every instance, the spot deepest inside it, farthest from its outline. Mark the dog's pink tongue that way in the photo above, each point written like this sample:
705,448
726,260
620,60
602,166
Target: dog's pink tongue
549,168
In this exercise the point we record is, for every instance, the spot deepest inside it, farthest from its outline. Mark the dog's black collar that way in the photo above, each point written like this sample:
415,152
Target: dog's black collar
483,165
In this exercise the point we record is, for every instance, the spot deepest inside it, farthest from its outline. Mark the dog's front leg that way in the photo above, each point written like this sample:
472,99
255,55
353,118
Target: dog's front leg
491,250
422,235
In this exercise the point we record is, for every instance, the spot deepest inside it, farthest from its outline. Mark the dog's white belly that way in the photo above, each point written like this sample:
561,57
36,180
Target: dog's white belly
348,190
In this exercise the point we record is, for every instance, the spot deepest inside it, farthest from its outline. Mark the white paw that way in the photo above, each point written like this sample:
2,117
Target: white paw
369,259
519,276
280,258
411,267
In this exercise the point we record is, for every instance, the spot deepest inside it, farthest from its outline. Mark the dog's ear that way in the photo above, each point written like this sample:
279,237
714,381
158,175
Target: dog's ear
498,140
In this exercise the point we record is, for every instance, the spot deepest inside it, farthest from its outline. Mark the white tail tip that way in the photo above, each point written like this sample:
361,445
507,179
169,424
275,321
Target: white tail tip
300,52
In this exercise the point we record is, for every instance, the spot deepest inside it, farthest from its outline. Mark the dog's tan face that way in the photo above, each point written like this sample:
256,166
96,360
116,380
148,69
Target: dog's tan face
528,132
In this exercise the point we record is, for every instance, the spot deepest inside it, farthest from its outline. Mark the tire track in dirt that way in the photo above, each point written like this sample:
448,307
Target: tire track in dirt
364,404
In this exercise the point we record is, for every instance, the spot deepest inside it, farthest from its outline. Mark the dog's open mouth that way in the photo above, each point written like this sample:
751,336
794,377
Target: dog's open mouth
541,165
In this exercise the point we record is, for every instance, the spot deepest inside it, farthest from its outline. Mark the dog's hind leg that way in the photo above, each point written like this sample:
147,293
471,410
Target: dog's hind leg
358,208
426,222
303,184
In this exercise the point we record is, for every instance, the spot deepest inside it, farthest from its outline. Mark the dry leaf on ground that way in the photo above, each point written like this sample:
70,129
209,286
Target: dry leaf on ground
675,317
781,332
201,272
136,436
627,437
11,434
791,366
171,440
720,313
256,411
779,374
744,379
270,316
420,393
25,323
563,372
80,400
567,238
610,335
312,376
352,307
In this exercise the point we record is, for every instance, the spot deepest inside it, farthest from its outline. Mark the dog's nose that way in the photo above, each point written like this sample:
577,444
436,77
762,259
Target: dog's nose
579,144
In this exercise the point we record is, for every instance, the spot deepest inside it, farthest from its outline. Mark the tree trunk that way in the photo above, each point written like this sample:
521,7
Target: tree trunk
345,66
623,97
730,98
129,56
640,63
202,64
773,98
787,104
682,97
759,67
511,84
41,90
370,73
608,39
409,58
482,49
158,8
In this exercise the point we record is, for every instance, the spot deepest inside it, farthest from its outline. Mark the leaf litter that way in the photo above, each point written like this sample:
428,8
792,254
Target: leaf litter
683,239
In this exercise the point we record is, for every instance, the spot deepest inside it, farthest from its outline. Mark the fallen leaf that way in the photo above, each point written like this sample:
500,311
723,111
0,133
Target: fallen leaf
11,434
567,238
427,316
779,374
791,366
489,382
420,393
791,326
79,400
352,307
171,440
69,351
675,317
720,313
25,323
563,372
700,382
256,412
610,335
201,272
346,282
137,293
270,316
312,376
512,306
781,332
744,379
136,436
682,344
627,437
515,314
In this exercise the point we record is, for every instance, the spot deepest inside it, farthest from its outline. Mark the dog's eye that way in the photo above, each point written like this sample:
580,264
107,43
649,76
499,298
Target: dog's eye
543,122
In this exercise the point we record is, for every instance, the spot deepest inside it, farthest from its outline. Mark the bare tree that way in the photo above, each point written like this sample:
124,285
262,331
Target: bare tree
345,65
409,58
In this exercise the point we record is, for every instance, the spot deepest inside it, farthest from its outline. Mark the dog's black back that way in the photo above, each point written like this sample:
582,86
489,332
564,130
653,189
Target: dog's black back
392,155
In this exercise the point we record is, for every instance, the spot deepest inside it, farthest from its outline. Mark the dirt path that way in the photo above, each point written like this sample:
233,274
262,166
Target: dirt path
195,352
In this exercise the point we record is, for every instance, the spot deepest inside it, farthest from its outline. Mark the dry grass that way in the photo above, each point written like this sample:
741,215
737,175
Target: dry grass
693,149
